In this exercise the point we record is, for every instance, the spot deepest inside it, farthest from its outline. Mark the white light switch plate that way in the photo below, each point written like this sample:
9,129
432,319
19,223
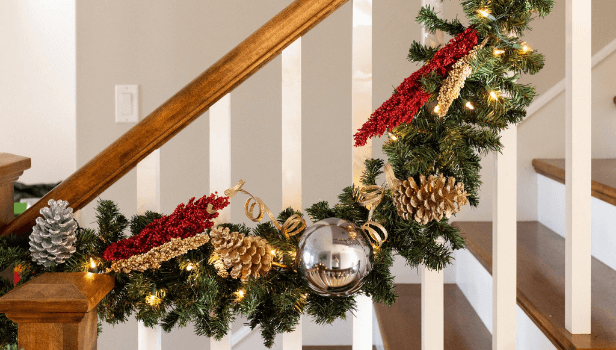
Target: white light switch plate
127,103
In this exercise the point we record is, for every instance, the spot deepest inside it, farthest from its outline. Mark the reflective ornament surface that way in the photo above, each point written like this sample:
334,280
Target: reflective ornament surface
334,256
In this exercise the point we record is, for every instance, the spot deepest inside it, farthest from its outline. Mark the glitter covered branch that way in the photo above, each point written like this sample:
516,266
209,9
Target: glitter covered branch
185,221
402,106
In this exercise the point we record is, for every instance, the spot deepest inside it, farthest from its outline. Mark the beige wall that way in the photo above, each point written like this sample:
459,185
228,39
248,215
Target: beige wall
163,46
542,136
37,86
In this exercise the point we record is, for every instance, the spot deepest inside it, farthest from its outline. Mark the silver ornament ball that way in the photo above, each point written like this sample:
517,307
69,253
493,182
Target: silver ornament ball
333,255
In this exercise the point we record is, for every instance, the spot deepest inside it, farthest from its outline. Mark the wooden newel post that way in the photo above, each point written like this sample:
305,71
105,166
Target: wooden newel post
57,310
11,168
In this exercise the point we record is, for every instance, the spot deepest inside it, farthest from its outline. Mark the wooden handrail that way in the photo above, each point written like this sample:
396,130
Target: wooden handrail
183,108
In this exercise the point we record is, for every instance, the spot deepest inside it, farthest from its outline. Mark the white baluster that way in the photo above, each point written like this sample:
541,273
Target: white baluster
504,237
362,324
432,309
438,38
577,175
432,282
292,149
220,172
362,108
362,80
148,183
220,150
148,198
149,338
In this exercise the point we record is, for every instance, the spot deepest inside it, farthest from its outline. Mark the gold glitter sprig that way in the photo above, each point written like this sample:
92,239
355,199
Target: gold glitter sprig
155,256
453,84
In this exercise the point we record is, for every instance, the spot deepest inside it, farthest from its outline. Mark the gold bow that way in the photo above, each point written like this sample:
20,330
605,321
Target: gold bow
292,226
370,197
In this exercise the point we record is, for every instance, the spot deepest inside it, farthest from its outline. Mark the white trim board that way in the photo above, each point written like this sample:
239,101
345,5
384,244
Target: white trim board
240,335
558,88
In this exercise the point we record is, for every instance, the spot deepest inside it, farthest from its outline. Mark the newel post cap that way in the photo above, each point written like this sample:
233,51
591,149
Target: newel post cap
69,294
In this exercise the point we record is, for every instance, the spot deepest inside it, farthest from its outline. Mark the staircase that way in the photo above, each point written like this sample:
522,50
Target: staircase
541,258
401,324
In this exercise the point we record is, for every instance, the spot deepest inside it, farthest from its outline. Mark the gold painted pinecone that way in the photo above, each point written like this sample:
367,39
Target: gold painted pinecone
430,200
245,255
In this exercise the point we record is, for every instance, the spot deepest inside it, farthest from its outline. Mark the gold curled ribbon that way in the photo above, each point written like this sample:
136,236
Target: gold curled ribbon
374,234
210,209
370,197
292,226
390,177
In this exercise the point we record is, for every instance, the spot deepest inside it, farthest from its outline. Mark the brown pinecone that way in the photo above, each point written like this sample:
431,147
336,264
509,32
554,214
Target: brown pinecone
430,200
245,255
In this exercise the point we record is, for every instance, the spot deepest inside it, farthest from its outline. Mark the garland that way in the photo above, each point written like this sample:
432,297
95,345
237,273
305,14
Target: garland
402,106
183,268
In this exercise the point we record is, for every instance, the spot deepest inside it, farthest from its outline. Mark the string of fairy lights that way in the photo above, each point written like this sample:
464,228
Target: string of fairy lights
156,296
493,95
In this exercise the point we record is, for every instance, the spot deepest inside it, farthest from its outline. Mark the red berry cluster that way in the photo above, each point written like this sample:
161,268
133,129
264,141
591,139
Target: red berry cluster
186,221
409,97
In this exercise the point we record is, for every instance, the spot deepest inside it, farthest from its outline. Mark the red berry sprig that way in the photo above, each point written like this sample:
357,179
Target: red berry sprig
410,96
185,221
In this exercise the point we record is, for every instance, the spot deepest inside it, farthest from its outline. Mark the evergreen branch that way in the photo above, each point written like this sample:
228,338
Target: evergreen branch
374,168
421,53
429,19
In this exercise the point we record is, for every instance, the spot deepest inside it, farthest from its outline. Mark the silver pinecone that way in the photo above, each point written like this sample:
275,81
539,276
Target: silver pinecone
53,237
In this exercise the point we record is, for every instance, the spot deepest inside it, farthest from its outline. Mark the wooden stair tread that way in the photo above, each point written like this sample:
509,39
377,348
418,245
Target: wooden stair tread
541,283
603,175
400,324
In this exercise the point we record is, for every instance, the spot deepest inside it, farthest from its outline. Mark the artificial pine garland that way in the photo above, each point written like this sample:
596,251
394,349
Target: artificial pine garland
195,285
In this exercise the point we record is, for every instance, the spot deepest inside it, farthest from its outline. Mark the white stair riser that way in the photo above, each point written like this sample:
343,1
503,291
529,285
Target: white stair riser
551,213
476,284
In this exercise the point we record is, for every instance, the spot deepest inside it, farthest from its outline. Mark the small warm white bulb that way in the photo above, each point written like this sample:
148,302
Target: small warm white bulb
92,263
152,300
191,266
437,109
484,13
240,295
526,48
498,52
470,105
493,95
273,252
393,137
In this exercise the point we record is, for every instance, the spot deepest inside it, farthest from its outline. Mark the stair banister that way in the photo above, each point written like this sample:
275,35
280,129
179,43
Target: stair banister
183,108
